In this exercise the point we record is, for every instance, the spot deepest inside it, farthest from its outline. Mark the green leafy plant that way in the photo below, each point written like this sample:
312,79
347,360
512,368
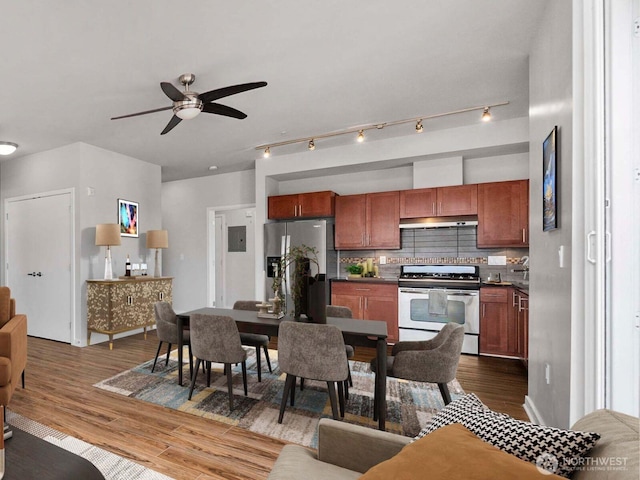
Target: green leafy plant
355,269
300,258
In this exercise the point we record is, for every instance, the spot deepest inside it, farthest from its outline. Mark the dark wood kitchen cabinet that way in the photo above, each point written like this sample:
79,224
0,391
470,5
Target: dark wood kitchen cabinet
498,327
367,221
302,205
439,202
369,301
503,214
521,312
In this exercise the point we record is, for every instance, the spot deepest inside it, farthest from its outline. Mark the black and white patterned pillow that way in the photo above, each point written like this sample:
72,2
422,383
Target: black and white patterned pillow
544,446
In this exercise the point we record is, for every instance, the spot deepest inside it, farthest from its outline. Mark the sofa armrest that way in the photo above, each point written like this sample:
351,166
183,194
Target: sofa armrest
354,447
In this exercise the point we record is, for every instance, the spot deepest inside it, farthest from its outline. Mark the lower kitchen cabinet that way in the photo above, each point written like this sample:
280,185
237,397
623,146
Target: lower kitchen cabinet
369,301
115,306
498,329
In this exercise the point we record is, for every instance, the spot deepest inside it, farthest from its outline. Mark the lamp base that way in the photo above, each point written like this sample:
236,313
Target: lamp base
108,271
157,272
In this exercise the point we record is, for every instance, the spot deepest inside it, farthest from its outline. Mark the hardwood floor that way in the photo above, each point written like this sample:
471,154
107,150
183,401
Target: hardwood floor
59,393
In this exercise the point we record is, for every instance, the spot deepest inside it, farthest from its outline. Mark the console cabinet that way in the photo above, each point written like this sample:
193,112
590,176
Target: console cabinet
115,306
503,214
302,205
369,301
368,221
439,202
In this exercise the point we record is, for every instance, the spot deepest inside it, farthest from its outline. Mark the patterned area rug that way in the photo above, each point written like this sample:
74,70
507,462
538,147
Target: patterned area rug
410,405
112,466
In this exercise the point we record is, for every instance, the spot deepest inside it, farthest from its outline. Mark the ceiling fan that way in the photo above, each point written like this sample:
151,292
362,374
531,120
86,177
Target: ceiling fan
188,104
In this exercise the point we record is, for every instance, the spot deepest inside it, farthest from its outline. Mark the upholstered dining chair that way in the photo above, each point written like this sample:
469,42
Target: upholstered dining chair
313,351
254,339
167,331
215,338
432,361
343,312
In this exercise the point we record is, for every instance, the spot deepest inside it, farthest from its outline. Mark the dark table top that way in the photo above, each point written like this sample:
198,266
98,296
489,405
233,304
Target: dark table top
29,457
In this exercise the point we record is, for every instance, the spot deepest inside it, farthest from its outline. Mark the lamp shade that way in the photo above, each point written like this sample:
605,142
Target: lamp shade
107,234
157,239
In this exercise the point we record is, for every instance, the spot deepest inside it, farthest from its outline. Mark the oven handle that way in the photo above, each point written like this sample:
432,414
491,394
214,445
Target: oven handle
425,291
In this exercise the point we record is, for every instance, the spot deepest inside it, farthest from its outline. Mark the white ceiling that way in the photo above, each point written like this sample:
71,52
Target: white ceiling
68,66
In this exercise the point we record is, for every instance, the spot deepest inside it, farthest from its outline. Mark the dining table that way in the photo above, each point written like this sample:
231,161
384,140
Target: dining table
365,333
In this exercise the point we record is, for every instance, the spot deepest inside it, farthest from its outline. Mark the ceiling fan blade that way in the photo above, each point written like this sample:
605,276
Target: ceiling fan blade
212,95
172,92
172,123
219,109
142,113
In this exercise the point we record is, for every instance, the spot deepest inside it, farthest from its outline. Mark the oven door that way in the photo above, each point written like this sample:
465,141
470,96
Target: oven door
463,307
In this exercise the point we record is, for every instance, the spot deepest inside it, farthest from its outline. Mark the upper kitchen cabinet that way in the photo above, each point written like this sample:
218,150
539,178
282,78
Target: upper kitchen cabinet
368,221
302,205
503,214
439,202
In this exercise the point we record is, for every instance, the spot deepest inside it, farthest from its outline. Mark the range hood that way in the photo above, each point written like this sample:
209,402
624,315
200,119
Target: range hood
439,222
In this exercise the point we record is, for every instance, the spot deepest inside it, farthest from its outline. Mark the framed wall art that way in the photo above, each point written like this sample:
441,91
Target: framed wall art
128,218
549,181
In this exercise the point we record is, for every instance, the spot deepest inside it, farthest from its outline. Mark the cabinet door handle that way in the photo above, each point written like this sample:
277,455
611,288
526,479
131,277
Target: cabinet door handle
300,210
129,300
161,296
524,235
484,306
514,299
366,303
433,208
360,303
440,209
363,240
295,210
520,307
363,289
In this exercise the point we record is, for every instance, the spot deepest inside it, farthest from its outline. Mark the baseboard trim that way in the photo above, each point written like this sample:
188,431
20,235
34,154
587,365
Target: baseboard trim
532,412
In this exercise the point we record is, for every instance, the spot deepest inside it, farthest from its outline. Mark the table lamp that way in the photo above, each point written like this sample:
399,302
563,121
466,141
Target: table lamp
157,239
107,234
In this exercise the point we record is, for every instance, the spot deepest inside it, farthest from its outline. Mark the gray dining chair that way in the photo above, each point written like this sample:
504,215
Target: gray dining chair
255,340
167,331
313,351
432,361
215,338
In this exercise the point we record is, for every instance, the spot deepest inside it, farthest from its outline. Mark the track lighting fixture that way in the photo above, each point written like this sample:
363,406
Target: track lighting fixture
310,140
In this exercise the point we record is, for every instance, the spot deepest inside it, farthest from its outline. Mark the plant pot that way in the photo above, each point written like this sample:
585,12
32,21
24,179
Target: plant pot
354,276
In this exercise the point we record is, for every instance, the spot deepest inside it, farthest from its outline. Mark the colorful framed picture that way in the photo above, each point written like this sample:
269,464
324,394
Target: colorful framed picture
128,218
549,185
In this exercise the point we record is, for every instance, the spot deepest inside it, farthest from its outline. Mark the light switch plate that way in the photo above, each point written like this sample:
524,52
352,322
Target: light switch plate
497,260
383,260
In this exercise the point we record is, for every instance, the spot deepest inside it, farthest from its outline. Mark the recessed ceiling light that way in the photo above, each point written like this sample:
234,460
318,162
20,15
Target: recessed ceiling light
213,167
7,148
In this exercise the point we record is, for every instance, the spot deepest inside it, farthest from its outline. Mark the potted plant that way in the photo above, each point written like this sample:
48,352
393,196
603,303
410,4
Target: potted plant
355,270
300,258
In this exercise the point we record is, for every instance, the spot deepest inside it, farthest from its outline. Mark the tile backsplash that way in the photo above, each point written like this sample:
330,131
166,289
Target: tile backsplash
453,245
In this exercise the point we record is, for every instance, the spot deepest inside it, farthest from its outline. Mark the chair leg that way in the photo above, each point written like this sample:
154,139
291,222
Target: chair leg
293,391
230,385
193,377
156,359
209,373
301,383
444,390
346,389
332,398
190,360
258,363
375,407
23,378
341,397
166,361
288,384
349,377
266,356
244,377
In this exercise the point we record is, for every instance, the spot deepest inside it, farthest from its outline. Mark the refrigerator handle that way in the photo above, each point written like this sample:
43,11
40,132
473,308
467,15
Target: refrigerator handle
287,272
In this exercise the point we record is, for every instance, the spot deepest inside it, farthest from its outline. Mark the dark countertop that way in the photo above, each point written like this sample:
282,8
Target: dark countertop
391,280
523,287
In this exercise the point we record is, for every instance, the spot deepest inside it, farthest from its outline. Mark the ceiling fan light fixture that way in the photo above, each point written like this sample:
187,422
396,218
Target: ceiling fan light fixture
267,152
7,148
187,113
486,115
312,145
360,138
419,127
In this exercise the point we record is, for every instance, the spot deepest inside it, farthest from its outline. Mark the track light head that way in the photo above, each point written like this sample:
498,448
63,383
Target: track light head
360,138
486,114
267,152
419,127
312,146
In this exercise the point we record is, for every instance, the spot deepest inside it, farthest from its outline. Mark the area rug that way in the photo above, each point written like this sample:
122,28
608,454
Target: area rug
410,405
112,466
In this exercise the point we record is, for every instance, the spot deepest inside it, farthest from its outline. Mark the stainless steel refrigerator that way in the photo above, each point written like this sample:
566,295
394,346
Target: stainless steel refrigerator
281,236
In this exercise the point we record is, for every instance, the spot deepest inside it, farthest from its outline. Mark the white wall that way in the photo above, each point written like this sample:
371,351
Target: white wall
550,97
184,215
496,169
79,166
240,266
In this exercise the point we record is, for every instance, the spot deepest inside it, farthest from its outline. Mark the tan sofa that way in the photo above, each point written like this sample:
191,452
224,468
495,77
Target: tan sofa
13,346
346,451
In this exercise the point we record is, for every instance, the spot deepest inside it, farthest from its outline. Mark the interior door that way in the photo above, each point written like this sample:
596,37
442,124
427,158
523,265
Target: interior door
39,242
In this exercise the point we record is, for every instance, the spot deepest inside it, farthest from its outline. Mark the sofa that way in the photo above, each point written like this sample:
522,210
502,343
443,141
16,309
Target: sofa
346,451
13,346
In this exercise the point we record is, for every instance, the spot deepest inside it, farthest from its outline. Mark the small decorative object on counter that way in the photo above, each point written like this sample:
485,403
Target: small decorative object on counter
127,267
355,270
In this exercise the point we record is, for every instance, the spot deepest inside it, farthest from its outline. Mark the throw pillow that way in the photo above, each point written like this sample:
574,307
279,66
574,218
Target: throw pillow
452,453
554,449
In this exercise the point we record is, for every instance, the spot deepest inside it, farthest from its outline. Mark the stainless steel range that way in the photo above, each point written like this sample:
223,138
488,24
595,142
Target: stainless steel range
429,296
